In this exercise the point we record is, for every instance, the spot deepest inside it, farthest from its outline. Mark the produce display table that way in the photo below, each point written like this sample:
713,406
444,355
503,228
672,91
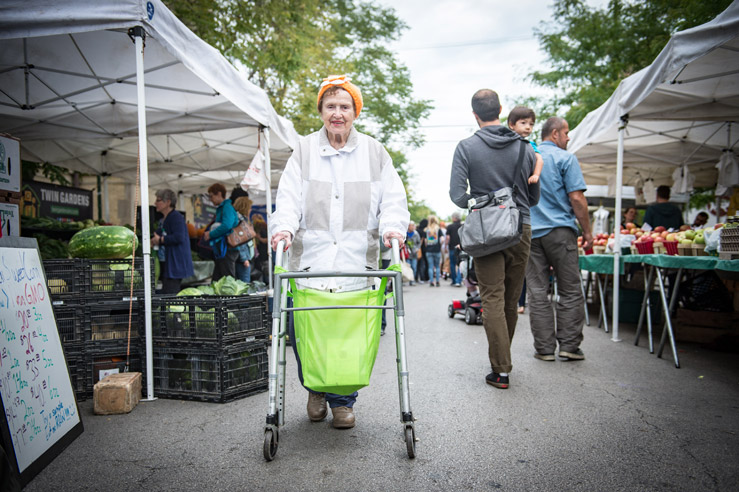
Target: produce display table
603,264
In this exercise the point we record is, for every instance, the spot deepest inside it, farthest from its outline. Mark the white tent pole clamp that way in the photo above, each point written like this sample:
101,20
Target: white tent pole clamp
268,214
138,35
617,226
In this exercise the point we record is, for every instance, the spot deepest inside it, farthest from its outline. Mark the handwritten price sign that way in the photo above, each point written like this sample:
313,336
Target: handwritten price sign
37,396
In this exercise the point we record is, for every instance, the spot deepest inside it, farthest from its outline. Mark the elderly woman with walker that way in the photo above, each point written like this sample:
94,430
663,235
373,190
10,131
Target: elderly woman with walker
338,195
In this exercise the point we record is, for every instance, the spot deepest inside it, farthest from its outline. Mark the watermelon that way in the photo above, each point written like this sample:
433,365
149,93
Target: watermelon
102,242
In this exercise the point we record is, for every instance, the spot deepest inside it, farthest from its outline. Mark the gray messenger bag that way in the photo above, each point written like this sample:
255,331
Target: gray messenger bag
493,221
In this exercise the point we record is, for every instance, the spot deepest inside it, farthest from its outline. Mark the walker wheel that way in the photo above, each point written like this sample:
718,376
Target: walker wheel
270,444
410,441
450,310
470,317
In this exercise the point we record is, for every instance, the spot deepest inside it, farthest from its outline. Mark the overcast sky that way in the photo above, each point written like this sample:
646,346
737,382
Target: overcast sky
452,49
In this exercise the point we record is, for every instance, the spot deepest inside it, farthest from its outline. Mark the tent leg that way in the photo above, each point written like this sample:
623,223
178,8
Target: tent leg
268,177
138,33
617,228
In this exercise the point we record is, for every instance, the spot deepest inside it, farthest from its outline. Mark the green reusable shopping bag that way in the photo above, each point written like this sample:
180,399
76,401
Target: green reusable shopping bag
337,347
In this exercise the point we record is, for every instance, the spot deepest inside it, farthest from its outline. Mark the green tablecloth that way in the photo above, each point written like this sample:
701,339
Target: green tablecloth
604,263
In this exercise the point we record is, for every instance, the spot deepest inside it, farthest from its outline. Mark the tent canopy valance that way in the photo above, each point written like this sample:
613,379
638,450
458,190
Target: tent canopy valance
68,91
681,110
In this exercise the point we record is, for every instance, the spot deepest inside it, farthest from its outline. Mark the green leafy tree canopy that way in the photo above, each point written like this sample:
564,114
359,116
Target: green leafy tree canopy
590,49
288,47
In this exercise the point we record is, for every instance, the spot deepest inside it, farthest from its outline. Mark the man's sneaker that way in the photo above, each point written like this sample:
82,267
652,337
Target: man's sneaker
495,379
577,355
546,357
317,406
343,417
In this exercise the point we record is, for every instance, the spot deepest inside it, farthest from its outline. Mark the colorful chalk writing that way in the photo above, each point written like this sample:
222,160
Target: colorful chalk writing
34,383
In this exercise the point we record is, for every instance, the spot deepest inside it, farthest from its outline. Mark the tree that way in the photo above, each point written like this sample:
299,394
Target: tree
592,49
288,47
419,210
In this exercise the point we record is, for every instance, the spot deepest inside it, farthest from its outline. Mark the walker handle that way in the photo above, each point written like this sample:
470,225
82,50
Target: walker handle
396,250
279,253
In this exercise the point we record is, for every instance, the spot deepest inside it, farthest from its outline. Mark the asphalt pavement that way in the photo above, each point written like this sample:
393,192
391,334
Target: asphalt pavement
622,420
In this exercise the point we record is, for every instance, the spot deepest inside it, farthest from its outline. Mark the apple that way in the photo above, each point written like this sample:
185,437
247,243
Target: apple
699,239
633,230
671,237
684,227
659,239
664,234
630,225
648,239
613,234
686,241
718,226
659,229
689,234
639,233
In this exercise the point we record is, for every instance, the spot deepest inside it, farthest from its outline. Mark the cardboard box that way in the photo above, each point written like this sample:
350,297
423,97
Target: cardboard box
10,163
117,393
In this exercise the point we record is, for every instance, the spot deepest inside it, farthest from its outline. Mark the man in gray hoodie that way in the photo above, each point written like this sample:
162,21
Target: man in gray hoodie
483,163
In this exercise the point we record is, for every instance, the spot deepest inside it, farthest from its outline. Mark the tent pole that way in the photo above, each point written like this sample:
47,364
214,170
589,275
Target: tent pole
617,227
106,200
268,177
138,33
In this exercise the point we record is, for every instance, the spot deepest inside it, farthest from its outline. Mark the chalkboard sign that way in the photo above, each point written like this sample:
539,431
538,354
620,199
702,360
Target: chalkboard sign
40,415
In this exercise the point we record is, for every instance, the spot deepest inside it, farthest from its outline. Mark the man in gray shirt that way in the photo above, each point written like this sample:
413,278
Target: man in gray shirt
483,163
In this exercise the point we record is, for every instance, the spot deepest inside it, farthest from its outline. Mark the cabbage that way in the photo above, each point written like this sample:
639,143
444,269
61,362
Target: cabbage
229,286
206,290
190,291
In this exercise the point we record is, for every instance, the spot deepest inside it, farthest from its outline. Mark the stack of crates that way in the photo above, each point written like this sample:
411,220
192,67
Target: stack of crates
91,301
210,348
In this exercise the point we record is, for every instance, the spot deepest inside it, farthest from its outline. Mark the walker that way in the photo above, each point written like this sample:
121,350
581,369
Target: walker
277,362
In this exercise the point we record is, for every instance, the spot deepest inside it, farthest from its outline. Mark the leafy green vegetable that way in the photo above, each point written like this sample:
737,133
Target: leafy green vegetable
206,290
229,286
190,291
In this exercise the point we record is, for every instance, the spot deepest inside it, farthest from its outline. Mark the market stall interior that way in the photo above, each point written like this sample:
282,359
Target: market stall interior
676,114
99,90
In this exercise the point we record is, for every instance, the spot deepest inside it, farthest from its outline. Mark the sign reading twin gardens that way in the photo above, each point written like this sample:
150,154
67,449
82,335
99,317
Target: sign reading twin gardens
40,416
54,201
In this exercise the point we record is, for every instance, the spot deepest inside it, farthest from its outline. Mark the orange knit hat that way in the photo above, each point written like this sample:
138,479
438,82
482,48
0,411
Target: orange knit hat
345,83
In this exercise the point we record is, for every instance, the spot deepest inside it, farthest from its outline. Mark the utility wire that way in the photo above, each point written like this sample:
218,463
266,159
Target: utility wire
470,43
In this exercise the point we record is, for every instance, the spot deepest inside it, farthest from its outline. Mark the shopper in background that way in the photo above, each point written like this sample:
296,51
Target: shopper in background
554,246
452,241
242,204
663,213
173,242
224,222
413,241
433,240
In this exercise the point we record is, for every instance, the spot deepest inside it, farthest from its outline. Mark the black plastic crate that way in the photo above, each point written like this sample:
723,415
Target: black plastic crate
115,361
111,279
70,323
78,377
106,325
215,375
65,279
208,320
705,292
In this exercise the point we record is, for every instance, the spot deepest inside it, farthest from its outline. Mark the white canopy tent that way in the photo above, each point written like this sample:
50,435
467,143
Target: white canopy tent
678,111
97,87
